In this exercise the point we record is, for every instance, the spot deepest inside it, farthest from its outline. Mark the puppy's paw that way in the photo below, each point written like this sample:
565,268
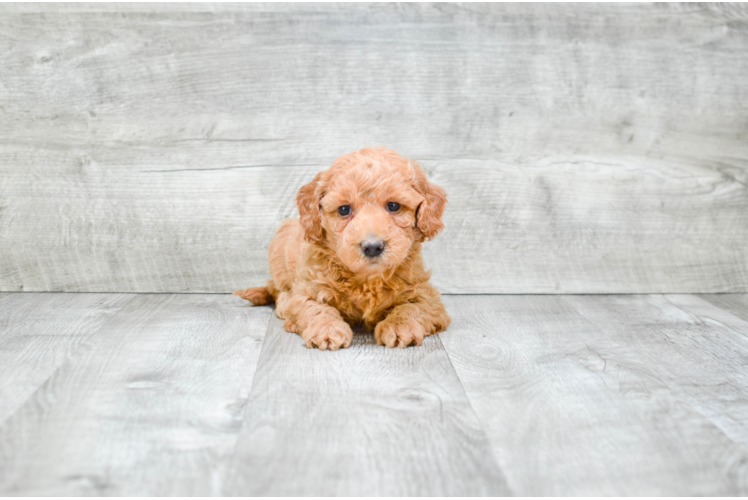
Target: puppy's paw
328,334
398,333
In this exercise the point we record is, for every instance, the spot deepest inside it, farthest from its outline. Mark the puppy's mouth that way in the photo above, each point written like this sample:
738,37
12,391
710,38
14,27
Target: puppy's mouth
373,266
373,261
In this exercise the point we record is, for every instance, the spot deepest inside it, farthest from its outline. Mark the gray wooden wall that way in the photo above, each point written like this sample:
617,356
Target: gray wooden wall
591,148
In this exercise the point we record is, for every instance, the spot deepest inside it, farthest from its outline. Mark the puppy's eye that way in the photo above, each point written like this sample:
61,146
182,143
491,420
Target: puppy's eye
344,210
393,206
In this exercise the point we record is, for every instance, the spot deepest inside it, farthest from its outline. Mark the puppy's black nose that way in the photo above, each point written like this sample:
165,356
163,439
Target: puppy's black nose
372,246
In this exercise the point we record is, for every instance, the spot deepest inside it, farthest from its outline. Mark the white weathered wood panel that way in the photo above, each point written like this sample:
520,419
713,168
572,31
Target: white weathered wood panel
698,350
599,408
586,148
152,230
730,10
150,405
39,332
736,304
364,421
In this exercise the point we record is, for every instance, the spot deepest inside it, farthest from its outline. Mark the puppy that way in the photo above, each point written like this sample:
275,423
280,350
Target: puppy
354,255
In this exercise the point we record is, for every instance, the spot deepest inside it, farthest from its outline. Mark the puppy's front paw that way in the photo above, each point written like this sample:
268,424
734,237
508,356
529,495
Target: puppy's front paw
328,334
399,333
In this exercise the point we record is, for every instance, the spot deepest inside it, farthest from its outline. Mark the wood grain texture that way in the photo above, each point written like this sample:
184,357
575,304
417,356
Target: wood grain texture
366,420
150,405
528,395
698,350
723,10
595,395
39,332
735,304
586,148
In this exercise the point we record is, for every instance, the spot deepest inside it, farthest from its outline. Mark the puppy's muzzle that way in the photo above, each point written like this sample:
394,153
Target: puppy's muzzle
372,246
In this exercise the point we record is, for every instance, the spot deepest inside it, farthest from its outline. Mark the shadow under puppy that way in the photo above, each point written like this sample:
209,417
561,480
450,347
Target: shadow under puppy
354,255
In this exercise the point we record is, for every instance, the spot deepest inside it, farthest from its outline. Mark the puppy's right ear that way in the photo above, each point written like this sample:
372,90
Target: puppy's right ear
307,201
429,212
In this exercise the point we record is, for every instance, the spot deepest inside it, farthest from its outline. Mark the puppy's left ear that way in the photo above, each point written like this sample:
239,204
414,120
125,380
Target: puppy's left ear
429,212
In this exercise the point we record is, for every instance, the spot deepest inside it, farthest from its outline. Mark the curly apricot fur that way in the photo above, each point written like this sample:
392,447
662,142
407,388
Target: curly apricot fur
322,282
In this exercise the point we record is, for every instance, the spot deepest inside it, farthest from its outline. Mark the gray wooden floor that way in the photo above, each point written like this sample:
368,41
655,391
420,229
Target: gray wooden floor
167,394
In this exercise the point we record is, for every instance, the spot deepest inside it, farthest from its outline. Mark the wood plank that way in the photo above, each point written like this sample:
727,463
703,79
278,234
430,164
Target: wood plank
693,347
41,331
501,233
360,421
151,405
155,149
735,304
579,407
725,10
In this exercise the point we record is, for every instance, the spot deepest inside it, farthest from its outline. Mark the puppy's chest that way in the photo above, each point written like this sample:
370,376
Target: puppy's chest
364,302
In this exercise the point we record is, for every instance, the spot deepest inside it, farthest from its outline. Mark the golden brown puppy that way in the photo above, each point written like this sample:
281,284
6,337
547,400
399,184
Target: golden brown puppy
354,255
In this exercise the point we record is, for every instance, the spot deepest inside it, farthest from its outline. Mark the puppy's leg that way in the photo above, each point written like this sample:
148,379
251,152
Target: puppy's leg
407,324
320,325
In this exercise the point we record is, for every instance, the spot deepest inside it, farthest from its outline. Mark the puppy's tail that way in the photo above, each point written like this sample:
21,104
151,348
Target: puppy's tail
259,295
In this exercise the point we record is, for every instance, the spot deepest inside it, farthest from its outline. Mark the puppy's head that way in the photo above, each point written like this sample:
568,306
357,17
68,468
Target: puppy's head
370,207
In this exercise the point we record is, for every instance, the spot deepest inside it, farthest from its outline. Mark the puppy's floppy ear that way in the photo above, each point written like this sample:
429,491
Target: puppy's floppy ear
429,212
307,201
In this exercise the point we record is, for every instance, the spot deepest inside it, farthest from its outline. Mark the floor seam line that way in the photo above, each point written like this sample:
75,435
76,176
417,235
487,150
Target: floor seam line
230,472
66,361
477,419
675,390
